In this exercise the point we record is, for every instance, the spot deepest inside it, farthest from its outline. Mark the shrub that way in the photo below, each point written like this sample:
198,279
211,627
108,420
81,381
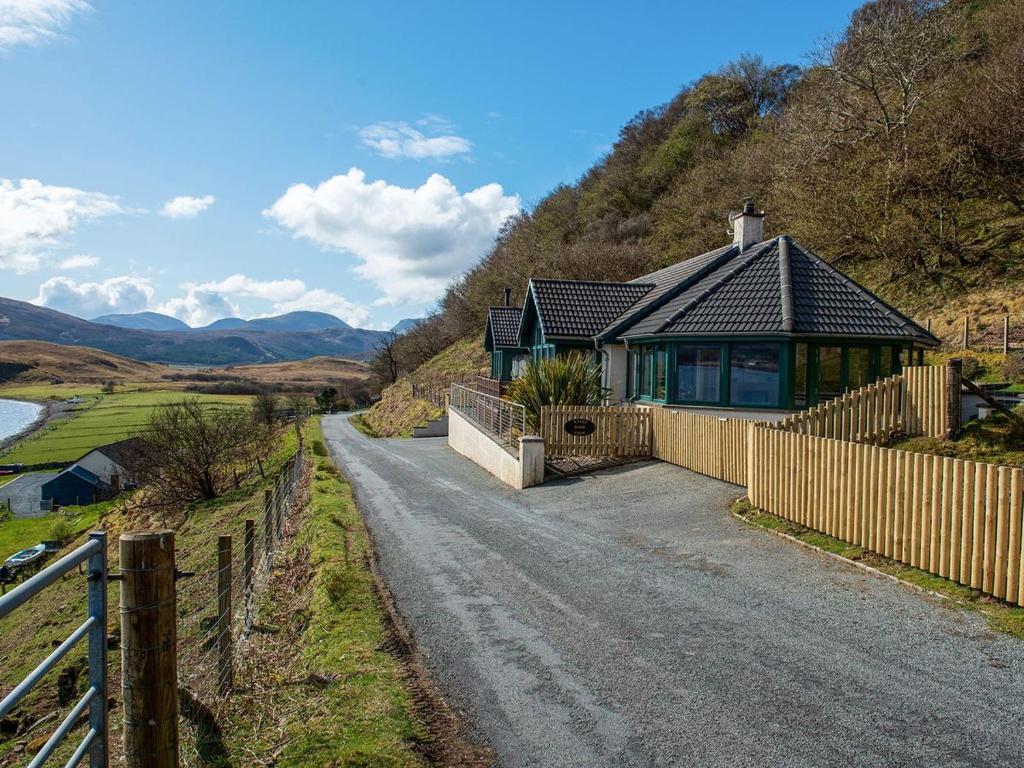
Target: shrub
567,380
973,368
61,530
1013,367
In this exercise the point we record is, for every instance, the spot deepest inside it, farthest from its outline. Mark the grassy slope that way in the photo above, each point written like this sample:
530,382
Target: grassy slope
994,440
354,708
316,684
397,411
32,631
101,419
48,361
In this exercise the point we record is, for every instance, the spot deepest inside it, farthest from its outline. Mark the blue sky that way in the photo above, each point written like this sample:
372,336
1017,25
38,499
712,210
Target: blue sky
208,158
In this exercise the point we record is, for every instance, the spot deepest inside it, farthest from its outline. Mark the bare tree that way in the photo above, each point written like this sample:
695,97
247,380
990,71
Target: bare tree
191,453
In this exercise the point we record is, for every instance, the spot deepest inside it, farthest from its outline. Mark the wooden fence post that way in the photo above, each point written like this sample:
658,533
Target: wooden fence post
954,382
967,331
268,523
224,669
1006,335
249,549
149,647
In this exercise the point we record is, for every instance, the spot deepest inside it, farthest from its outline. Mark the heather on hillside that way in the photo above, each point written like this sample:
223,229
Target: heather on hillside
896,151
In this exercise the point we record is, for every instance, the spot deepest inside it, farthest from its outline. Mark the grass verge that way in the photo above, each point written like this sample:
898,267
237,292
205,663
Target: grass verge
1001,616
358,420
345,689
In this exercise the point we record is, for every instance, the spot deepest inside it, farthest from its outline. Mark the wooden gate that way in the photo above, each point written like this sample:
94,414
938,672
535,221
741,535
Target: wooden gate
580,430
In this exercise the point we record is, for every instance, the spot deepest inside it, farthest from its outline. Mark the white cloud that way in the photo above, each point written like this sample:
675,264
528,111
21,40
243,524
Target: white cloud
399,139
411,242
79,261
31,22
184,206
205,302
115,295
35,218
199,306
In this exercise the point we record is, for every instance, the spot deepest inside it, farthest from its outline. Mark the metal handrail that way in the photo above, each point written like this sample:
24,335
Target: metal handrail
503,420
93,552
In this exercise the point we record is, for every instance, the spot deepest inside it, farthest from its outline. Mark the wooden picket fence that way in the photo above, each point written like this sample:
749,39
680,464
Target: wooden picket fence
961,520
870,414
707,444
924,400
619,432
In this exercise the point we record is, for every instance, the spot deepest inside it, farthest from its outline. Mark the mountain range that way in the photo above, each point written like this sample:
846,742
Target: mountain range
150,336
292,321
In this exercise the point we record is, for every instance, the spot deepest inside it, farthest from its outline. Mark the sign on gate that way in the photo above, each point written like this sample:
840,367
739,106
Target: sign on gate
580,427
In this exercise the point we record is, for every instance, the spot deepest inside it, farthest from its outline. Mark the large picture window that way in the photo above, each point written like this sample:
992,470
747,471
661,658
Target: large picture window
754,375
698,370
858,367
800,395
830,373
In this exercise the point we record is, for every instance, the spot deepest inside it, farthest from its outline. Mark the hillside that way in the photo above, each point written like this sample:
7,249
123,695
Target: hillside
23,321
143,321
399,410
40,361
897,154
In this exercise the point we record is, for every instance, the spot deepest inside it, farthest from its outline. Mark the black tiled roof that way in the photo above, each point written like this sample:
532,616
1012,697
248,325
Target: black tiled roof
503,323
582,308
124,452
754,292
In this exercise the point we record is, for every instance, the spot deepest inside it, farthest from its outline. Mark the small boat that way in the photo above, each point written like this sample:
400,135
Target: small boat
26,556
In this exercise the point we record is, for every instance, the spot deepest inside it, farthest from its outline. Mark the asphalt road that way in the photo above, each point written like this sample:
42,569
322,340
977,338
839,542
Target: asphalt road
24,493
625,619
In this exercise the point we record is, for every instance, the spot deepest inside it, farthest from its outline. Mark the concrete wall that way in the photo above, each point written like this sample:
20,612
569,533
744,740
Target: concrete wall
522,471
613,365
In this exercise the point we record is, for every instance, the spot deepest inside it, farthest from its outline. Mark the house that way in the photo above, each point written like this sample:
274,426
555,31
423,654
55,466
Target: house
75,485
114,464
756,324
501,339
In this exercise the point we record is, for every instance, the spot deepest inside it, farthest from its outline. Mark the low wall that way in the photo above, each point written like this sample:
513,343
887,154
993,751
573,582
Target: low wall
520,472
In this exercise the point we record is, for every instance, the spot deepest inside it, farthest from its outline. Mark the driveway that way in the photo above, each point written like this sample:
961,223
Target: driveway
626,619
24,493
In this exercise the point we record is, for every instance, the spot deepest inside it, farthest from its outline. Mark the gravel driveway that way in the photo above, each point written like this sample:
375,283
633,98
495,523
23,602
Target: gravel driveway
625,619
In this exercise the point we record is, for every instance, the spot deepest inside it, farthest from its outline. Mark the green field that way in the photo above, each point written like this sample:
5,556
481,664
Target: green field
25,532
100,420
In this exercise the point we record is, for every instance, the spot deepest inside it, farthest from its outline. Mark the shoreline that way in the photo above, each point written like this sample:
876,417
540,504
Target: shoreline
50,410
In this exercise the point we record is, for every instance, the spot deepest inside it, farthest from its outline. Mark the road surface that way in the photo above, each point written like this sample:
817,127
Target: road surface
626,619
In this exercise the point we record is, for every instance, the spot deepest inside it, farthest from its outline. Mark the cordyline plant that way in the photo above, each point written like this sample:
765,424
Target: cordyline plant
567,380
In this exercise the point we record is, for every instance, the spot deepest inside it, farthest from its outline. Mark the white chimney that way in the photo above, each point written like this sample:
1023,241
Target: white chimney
747,225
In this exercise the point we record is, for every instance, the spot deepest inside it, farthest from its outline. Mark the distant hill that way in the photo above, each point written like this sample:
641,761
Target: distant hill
406,325
143,321
291,321
40,361
225,324
22,321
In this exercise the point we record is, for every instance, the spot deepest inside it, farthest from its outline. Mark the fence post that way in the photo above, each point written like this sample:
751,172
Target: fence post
967,331
98,757
249,549
277,507
268,524
149,643
954,379
224,672
1006,335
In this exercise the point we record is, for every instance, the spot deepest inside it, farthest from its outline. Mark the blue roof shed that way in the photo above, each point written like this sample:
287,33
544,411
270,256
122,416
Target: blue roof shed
75,485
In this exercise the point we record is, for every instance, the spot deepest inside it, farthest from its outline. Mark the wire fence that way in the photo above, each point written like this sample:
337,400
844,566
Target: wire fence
505,421
217,596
